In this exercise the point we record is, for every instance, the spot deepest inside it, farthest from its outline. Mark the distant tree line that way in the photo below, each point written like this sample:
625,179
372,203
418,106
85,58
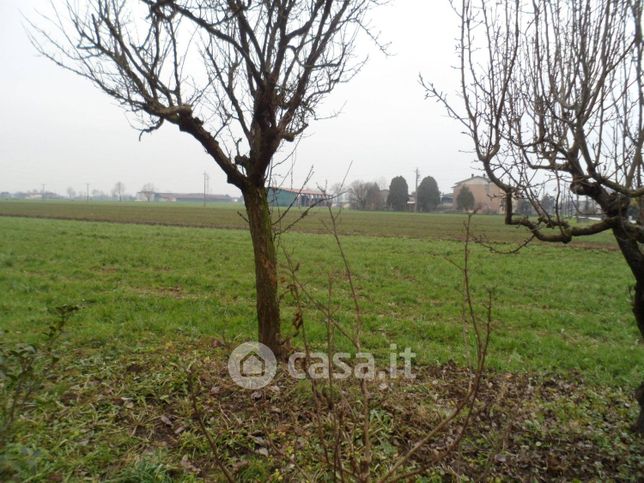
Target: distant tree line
118,193
369,196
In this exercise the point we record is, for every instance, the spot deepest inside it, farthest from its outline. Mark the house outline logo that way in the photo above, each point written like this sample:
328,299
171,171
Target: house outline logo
252,365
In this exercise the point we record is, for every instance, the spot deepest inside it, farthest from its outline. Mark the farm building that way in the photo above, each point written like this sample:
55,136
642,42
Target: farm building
293,197
447,200
184,197
488,198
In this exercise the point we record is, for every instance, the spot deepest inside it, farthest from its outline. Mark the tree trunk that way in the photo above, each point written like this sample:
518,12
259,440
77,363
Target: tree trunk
638,311
631,252
261,232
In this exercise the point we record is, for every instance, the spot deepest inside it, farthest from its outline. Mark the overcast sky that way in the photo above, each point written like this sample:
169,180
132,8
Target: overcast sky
58,130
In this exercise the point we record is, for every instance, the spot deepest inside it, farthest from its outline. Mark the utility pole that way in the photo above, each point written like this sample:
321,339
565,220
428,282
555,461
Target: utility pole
87,193
416,195
42,193
206,178
293,166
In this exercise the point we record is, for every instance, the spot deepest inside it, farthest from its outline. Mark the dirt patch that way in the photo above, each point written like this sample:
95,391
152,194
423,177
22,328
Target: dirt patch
524,427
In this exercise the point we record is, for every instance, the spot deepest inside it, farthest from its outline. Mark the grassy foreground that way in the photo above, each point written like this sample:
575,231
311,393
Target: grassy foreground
154,298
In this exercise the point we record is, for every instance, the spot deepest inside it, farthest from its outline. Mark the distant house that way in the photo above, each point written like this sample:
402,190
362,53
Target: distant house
193,197
411,202
342,200
447,200
488,197
184,197
285,197
252,365
35,195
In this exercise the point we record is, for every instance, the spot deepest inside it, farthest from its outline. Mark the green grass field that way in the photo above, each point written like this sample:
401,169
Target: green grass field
157,295
553,305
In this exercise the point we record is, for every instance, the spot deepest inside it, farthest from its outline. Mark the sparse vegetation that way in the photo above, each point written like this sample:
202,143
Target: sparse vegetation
24,369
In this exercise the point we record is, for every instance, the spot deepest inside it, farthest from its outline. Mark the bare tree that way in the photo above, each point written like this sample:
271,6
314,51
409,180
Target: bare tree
375,200
71,193
553,96
148,191
358,194
240,77
119,190
365,196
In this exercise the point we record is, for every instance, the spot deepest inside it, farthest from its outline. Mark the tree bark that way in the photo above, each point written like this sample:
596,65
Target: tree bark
631,252
638,311
261,232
